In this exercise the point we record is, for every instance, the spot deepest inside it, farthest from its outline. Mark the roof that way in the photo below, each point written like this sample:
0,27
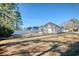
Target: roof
51,24
70,24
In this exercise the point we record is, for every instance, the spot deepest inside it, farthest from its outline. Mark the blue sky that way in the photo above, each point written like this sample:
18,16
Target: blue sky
36,14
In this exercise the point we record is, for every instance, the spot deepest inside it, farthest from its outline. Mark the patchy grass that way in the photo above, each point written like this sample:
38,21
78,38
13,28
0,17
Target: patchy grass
40,45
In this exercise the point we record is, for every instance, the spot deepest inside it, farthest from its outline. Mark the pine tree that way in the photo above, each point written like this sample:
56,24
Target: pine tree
10,18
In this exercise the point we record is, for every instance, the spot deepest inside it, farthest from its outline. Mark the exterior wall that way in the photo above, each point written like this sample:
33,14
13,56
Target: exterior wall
57,29
40,29
50,30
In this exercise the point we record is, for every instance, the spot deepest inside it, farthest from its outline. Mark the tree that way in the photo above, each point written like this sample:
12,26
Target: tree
29,28
10,18
36,27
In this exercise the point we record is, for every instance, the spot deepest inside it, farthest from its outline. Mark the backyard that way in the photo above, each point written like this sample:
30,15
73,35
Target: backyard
64,44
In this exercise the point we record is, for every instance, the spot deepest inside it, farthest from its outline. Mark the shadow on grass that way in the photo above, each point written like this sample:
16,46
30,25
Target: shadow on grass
73,50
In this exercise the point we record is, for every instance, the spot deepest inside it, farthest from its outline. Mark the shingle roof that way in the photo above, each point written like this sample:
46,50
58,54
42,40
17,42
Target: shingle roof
51,24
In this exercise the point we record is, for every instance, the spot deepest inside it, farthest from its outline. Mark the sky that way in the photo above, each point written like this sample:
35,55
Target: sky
36,14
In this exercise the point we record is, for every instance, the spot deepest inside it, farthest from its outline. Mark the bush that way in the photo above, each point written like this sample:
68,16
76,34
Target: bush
5,32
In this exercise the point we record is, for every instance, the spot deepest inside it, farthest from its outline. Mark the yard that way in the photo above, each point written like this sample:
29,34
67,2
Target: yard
65,44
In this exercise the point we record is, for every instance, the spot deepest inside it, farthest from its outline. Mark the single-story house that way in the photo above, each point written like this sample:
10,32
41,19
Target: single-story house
50,28
71,25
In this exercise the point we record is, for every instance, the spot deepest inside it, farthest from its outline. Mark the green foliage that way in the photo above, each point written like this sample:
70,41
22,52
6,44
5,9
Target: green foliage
35,27
29,28
10,18
5,32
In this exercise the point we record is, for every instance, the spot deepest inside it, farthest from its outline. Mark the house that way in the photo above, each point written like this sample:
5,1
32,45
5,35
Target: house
46,28
50,28
71,25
